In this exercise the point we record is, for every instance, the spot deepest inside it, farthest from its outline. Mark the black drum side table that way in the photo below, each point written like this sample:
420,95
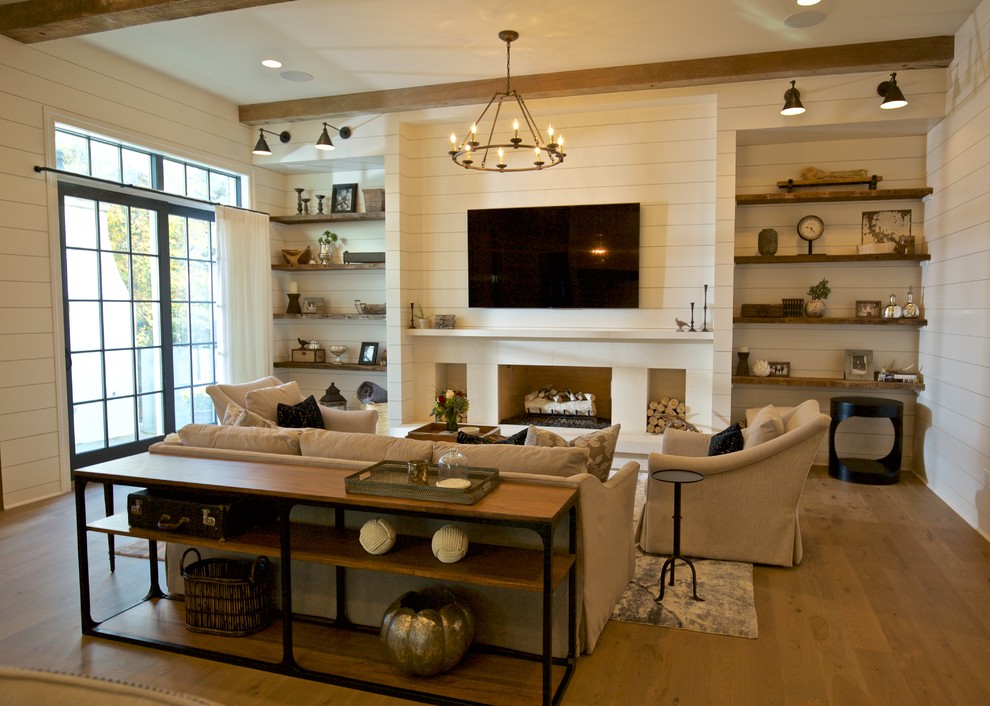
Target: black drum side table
883,471
678,478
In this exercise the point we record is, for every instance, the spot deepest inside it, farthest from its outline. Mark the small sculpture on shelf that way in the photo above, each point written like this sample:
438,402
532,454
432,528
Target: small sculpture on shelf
910,310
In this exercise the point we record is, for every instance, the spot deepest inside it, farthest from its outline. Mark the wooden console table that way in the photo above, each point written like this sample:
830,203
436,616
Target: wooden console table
335,651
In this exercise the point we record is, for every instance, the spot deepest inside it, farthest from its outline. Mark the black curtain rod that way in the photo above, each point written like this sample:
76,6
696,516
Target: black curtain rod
145,189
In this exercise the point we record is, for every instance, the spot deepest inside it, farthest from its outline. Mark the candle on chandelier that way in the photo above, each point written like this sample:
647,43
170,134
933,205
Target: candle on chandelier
515,128
501,157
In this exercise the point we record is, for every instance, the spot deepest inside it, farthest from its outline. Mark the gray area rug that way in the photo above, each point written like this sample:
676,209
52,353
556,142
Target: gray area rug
728,607
138,549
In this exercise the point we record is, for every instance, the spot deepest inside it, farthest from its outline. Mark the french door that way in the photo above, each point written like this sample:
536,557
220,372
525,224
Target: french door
138,282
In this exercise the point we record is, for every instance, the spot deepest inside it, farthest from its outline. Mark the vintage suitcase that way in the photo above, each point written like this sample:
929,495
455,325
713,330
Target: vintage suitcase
309,355
210,515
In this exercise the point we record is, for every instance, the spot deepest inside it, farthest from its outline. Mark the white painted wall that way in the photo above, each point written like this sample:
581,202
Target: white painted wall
955,349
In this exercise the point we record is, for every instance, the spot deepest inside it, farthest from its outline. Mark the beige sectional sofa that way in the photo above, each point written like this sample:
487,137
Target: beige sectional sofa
504,617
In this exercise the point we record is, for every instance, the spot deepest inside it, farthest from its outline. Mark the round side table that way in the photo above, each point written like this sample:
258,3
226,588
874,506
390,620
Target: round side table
883,471
678,478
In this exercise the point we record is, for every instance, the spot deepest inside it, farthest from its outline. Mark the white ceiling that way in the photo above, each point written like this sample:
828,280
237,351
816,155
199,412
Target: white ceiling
354,46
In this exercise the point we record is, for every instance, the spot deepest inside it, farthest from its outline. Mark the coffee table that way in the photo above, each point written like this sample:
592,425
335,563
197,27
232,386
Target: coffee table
437,431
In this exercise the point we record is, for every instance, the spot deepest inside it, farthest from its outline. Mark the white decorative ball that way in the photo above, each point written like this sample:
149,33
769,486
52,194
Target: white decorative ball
377,535
450,544
761,368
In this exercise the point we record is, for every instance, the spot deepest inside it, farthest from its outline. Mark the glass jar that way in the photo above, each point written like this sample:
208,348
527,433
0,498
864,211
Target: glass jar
911,310
892,311
452,470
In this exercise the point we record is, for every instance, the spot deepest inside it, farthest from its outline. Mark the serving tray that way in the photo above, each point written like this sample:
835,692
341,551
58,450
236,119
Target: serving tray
391,479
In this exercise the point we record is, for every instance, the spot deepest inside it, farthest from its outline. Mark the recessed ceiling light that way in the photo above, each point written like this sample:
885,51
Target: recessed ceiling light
300,76
804,19
808,3
271,63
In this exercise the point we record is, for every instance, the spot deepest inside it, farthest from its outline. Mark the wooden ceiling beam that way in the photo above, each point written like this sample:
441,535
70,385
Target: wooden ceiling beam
31,21
897,55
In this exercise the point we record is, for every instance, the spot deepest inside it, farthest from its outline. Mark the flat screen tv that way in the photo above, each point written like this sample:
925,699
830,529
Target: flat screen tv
560,257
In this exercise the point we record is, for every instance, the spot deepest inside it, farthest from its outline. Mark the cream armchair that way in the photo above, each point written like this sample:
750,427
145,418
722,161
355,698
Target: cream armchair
746,508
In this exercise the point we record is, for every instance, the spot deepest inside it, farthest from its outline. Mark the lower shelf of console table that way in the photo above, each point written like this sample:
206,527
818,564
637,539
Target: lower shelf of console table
318,649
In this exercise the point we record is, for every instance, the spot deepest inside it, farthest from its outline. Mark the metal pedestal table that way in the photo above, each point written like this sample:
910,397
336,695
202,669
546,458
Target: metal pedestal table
678,478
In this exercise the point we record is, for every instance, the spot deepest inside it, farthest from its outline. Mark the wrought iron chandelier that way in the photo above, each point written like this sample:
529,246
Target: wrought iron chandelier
517,154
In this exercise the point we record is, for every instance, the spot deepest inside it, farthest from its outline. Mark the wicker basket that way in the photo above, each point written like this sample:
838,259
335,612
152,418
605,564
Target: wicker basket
228,596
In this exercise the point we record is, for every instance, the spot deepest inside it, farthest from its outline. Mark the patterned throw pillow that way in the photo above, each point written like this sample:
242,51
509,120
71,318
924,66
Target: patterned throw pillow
236,416
306,414
726,441
517,439
600,445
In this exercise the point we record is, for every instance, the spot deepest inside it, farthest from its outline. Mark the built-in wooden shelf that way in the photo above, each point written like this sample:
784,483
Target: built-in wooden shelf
827,382
330,317
359,367
359,266
835,195
296,219
789,184
851,257
831,320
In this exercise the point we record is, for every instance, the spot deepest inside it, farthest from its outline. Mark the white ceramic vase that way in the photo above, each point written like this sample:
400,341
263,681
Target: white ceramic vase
815,308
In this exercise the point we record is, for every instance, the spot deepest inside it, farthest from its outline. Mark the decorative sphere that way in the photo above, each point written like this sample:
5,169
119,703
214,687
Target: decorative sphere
450,544
377,535
427,632
761,368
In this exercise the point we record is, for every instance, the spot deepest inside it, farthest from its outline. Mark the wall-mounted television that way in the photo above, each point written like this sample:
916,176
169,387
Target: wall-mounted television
561,257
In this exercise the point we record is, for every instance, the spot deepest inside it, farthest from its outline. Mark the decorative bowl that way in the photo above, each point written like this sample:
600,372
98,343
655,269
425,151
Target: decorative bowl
294,258
363,308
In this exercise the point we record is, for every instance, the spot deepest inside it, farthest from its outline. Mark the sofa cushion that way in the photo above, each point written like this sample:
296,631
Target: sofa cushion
517,439
357,420
264,401
600,445
223,394
236,416
363,447
726,441
766,425
305,415
551,461
211,436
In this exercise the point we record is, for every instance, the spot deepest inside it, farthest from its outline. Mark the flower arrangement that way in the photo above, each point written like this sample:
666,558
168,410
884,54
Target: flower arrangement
820,290
450,405
327,238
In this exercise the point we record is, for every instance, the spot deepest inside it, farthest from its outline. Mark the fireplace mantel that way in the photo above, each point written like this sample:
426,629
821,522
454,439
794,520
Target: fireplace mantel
573,334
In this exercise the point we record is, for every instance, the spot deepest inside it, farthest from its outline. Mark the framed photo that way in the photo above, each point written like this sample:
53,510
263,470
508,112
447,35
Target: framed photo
779,369
313,305
859,365
344,198
369,354
886,226
867,309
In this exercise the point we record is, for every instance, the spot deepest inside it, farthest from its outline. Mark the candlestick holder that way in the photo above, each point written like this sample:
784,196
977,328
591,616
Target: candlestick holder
704,325
293,307
742,369
299,203
319,201
306,206
692,319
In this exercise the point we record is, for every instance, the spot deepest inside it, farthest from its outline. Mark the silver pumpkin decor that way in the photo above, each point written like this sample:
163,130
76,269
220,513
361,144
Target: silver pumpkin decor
427,632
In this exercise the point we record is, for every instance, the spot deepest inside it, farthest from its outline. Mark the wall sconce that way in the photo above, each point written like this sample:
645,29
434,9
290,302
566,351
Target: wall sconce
792,101
261,147
325,143
892,96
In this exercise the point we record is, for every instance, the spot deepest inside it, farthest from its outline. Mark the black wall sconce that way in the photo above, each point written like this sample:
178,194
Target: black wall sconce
261,147
792,101
892,95
325,143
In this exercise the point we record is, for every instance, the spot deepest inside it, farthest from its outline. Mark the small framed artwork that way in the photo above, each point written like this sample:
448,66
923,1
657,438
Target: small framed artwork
859,365
867,309
779,369
344,198
369,354
313,305
886,226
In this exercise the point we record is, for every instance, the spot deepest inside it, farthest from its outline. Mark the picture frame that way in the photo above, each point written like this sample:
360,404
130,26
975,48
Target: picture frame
886,226
779,368
369,354
313,305
859,365
343,199
868,309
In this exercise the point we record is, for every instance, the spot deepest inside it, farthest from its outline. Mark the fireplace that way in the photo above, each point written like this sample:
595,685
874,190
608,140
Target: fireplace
517,381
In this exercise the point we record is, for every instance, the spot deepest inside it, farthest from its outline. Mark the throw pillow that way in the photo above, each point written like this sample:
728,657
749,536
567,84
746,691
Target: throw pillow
766,425
517,439
239,417
306,414
600,445
726,441
264,402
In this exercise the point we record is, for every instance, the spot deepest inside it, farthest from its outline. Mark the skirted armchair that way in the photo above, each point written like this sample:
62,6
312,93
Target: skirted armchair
746,508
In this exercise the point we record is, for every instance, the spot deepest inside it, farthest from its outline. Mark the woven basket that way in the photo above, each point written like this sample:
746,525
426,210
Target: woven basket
228,596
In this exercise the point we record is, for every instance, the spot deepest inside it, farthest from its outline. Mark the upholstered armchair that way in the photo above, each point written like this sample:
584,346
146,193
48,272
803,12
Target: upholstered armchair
746,508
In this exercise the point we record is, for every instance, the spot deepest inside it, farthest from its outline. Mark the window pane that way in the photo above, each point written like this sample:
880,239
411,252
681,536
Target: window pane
81,280
120,373
71,152
121,425
197,183
177,237
87,376
80,223
180,323
183,407
199,239
203,407
223,189
144,234
137,167
179,280
149,370
106,160
145,273
117,327
202,362
181,366
147,327
151,416
115,276
87,425
84,326
175,177
200,323
200,282
114,231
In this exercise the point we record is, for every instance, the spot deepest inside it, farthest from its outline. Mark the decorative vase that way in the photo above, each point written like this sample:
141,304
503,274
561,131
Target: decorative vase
815,308
767,242
450,417
427,632
325,253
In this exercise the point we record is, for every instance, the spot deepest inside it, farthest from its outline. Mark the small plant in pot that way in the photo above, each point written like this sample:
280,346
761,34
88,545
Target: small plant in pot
818,293
329,247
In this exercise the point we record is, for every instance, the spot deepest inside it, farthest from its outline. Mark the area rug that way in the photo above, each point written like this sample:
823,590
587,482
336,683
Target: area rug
138,549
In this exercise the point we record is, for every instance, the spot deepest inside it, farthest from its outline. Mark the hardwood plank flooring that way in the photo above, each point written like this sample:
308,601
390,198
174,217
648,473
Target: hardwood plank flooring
891,605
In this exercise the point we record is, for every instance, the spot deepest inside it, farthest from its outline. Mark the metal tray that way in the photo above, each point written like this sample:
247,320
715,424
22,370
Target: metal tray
391,479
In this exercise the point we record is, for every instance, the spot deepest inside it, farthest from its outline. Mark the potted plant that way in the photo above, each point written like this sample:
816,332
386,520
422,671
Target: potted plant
420,318
818,293
329,247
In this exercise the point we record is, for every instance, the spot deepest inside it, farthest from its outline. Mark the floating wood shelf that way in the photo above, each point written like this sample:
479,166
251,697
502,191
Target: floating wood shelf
360,266
330,317
837,181
821,196
830,320
827,382
358,367
297,219
851,257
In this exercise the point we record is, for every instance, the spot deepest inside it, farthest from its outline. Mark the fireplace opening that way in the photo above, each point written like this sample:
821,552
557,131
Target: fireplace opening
583,399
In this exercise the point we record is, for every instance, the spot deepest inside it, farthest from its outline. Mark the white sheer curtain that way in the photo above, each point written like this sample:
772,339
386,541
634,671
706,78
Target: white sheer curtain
244,260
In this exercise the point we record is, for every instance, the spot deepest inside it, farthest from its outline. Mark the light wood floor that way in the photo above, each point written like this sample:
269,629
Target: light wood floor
891,605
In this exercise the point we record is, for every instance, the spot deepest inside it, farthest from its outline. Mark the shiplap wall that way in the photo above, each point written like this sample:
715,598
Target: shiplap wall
955,349
80,85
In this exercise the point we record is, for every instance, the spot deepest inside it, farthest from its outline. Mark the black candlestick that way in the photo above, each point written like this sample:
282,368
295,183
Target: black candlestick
692,318
704,326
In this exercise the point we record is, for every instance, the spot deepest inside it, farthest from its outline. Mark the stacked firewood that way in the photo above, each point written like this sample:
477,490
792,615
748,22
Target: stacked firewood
667,413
